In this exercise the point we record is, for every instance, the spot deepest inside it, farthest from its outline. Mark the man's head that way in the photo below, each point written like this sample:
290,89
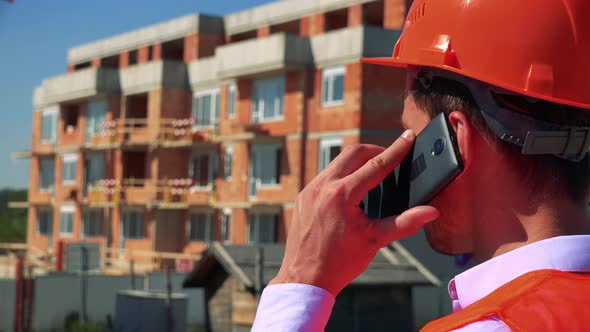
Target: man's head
491,163
535,50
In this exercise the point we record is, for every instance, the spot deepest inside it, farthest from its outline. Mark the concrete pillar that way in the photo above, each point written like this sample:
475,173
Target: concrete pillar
263,31
394,13
143,54
156,52
191,45
312,25
96,62
124,59
355,15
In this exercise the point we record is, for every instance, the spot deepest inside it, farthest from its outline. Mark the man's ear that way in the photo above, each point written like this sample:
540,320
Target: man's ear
465,139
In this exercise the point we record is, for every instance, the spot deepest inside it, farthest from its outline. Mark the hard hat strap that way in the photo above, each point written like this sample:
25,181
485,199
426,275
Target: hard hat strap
536,137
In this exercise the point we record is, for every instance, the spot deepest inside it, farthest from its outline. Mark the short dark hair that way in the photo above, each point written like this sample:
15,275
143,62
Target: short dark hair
549,176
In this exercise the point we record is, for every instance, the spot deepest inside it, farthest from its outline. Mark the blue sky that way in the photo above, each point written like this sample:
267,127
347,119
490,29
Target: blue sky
35,36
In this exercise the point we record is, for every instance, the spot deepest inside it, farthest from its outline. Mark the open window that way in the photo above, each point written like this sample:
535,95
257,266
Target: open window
202,169
329,149
135,167
173,50
70,115
262,228
337,19
374,13
292,27
265,167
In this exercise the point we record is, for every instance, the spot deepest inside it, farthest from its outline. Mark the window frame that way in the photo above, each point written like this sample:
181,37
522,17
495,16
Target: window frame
51,186
226,225
255,170
232,94
228,160
212,171
209,235
255,218
213,111
329,74
257,114
86,220
69,159
139,226
53,112
327,143
66,210
49,213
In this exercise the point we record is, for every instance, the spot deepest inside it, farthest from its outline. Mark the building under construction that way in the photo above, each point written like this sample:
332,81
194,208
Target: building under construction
204,128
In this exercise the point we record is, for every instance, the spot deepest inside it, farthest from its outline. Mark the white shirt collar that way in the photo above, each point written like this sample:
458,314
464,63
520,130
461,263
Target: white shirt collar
565,253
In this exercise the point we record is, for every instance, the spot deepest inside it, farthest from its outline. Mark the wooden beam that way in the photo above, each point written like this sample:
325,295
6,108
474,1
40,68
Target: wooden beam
18,205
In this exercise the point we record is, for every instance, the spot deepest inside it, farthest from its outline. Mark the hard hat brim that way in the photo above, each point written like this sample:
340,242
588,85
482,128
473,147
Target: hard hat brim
390,62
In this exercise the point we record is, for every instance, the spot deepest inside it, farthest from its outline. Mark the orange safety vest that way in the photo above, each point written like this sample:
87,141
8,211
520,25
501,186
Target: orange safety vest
543,300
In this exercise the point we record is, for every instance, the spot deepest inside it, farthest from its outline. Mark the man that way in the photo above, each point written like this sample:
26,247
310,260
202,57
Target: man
513,78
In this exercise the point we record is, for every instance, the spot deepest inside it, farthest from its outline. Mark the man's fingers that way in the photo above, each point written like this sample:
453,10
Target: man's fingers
404,225
377,168
351,159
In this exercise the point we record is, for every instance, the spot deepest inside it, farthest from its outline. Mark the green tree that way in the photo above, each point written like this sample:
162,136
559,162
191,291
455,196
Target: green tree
13,222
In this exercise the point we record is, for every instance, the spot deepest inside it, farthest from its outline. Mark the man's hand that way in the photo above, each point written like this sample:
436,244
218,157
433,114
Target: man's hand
331,241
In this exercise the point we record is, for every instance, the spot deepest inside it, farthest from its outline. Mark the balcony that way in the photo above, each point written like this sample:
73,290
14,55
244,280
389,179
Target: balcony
351,44
276,52
203,73
145,77
77,85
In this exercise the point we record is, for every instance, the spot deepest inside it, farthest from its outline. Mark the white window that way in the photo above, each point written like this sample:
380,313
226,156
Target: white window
333,86
49,124
225,225
200,227
202,169
265,166
66,220
68,167
91,221
267,99
46,174
206,108
329,149
132,224
228,161
94,169
95,118
44,221
231,100
262,228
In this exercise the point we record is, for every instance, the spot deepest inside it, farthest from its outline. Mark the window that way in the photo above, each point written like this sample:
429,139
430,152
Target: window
94,168
44,221
200,227
267,99
227,162
231,101
333,86
202,168
66,220
68,174
225,225
206,108
95,117
46,174
91,221
329,149
265,166
262,228
132,225
49,124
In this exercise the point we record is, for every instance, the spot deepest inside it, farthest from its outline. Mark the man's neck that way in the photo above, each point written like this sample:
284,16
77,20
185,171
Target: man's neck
502,230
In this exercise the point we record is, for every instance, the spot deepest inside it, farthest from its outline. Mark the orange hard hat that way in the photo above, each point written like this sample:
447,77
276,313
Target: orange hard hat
537,48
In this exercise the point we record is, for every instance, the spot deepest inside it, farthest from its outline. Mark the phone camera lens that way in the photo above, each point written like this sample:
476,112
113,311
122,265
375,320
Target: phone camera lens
439,147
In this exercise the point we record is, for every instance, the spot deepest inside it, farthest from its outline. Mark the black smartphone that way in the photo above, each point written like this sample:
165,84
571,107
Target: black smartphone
433,162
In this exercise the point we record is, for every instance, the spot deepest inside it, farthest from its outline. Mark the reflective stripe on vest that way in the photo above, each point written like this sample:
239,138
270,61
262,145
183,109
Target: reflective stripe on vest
543,300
